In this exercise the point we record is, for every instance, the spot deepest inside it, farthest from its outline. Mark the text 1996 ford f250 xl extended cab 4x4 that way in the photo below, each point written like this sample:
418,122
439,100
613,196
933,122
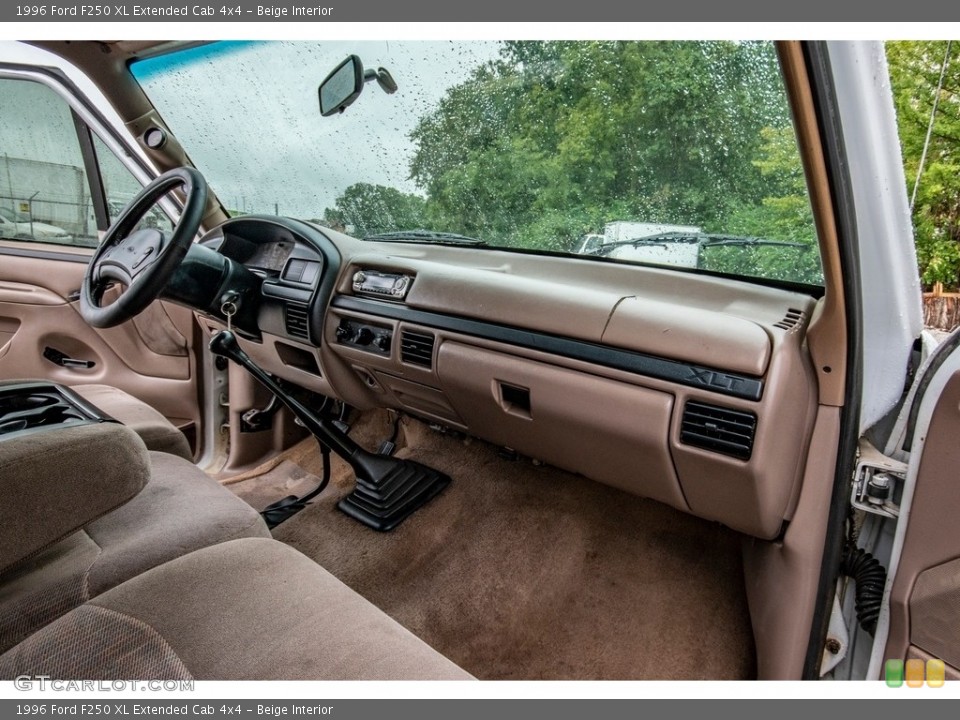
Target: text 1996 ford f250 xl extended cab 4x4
329,383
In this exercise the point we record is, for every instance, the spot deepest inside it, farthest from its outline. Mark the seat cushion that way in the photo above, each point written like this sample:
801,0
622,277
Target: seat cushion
251,609
180,510
157,432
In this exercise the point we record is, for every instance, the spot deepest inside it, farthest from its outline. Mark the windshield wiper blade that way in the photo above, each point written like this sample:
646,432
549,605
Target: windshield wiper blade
425,236
658,239
704,240
735,241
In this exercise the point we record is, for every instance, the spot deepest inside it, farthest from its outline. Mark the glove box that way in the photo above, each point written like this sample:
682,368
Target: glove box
608,431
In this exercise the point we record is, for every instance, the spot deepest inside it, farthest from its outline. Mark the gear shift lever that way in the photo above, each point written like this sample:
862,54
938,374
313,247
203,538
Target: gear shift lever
388,489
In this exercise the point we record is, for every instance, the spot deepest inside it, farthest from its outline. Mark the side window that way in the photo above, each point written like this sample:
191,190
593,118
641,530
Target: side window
44,190
120,187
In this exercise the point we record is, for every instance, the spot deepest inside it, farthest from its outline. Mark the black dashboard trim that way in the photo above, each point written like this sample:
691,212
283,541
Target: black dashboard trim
284,292
314,238
682,373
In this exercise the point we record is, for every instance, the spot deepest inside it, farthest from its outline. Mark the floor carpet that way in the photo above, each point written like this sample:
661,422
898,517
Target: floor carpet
519,571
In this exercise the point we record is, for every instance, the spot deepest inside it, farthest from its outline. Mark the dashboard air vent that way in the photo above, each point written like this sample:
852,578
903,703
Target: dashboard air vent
416,348
790,320
295,317
719,429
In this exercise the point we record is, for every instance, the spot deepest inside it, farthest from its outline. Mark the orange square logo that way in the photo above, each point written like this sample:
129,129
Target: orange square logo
914,673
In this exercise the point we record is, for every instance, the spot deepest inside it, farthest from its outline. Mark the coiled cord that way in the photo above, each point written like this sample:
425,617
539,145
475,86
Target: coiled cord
869,577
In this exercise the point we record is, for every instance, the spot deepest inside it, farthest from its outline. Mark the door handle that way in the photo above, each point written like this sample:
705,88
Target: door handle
73,296
59,358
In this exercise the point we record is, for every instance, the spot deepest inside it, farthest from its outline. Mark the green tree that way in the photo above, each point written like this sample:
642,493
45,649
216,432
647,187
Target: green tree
784,214
552,140
371,209
914,73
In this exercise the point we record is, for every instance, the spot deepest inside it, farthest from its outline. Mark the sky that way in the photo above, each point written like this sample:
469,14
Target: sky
248,115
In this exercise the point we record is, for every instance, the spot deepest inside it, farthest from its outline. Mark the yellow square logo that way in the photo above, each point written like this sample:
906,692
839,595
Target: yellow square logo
936,673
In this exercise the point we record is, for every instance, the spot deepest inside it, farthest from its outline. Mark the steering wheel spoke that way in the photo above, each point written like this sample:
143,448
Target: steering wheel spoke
142,260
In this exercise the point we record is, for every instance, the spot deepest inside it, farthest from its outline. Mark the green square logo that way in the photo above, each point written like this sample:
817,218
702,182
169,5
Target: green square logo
893,672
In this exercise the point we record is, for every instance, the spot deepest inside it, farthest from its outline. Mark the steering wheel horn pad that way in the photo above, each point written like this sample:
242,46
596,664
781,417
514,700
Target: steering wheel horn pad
131,256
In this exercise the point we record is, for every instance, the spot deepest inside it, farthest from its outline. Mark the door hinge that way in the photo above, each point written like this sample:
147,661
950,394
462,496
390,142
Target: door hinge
877,482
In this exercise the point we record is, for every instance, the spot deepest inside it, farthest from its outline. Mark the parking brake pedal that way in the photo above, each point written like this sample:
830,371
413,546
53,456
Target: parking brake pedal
388,490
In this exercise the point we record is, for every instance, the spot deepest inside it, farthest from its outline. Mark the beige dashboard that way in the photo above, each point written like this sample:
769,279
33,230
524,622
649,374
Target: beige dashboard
692,390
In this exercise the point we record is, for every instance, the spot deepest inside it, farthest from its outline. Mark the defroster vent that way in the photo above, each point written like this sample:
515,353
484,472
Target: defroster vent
722,430
295,317
416,348
790,320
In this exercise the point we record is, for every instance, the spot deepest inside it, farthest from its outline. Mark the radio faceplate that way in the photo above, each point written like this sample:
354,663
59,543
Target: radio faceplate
393,286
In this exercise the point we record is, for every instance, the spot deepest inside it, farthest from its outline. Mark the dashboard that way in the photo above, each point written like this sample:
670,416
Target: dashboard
693,390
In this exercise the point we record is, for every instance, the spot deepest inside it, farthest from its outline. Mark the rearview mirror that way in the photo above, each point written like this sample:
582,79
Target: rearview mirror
341,87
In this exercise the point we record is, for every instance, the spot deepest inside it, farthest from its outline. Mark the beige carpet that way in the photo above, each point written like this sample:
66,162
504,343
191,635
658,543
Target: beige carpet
519,571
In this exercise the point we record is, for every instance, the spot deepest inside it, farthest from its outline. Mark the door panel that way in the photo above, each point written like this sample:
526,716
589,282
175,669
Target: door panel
925,597
151,358
934,609
61,185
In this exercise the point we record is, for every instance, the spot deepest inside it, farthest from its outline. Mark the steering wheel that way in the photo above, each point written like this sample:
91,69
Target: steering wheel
141,260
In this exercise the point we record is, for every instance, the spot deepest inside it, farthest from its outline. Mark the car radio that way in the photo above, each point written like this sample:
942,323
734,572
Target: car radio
390,285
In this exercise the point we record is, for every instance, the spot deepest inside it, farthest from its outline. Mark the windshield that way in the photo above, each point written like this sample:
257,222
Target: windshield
561,147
